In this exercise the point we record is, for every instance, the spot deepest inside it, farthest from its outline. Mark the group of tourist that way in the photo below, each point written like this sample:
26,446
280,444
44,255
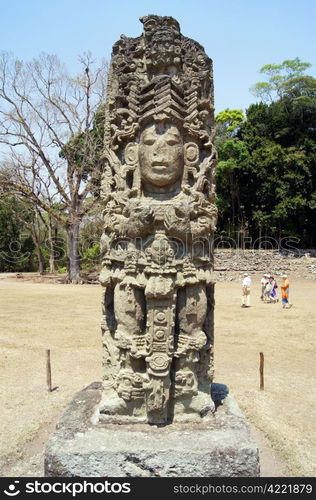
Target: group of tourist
269,288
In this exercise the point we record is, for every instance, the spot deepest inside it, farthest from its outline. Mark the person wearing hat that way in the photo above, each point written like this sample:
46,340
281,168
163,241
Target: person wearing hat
285,288
264,281
267,290
246,283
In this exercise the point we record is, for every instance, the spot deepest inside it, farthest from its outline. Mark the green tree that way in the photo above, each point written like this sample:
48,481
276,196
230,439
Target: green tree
280,78
233,161
231,156
227,124
280,138
16,246
266,175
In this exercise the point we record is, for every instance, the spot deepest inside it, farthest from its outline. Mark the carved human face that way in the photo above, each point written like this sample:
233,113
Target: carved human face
160,155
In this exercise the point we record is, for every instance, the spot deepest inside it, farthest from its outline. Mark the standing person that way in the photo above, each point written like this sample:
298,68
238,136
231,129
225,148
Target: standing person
263,282
285,288
267,290
273,293
246,284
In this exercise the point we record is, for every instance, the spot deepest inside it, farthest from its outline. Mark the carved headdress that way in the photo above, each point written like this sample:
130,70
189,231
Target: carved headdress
161,76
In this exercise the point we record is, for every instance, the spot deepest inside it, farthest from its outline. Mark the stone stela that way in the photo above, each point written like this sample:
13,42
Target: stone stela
159,218
157,273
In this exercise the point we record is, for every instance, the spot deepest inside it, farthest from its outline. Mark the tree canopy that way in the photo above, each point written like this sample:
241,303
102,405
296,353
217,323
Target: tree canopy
266,175
280,79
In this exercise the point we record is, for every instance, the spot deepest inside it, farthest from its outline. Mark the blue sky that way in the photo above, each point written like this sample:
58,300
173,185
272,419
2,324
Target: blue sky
240,36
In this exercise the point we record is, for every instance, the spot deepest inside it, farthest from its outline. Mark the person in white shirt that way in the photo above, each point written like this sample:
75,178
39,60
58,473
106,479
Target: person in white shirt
246,284
264,281
267,290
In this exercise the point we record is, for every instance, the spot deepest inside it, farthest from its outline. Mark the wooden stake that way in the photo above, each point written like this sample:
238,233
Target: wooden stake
48,371
261,371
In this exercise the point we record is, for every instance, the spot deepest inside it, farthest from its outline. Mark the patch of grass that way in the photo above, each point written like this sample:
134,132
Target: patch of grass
66,319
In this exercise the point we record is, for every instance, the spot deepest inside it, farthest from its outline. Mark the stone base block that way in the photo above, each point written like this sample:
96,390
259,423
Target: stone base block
81,446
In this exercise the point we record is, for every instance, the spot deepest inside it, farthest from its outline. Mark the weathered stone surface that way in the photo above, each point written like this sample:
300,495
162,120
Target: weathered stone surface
159,218
84,446
157,272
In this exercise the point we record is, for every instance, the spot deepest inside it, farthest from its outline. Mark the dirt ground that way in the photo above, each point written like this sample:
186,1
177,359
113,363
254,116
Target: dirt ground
66,318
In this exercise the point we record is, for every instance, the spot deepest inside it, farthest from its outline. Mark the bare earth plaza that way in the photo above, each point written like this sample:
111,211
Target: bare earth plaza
171,348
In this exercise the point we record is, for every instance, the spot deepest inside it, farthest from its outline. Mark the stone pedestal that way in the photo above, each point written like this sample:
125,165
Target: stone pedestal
83,446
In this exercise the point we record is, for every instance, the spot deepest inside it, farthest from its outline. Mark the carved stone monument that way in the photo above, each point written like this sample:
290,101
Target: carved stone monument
157,272
159,219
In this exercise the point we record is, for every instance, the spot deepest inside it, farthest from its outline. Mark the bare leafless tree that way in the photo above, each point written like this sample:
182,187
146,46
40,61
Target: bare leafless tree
50,149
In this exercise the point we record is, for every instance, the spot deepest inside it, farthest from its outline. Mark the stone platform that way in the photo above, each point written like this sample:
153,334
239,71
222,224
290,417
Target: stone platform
83,446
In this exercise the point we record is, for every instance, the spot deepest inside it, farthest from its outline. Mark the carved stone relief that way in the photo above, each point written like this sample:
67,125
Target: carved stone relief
159,218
